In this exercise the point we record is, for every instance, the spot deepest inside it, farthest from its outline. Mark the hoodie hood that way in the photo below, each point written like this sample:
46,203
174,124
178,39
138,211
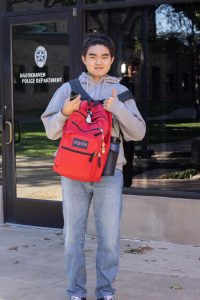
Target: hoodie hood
100,89
85,77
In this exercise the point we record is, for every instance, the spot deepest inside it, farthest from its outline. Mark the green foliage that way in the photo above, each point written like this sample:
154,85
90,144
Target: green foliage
181,174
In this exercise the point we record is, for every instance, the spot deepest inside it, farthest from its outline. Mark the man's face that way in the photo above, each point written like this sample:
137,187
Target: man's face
98,61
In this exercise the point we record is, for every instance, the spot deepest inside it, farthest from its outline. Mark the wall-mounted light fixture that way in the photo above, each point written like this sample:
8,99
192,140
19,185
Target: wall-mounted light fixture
123,68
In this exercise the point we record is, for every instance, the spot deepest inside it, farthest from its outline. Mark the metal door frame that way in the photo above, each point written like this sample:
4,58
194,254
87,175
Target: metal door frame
46,213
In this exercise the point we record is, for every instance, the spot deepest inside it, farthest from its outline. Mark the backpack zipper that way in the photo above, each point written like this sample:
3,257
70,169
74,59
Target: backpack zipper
79,112
88,118
92,155
103,148
83,129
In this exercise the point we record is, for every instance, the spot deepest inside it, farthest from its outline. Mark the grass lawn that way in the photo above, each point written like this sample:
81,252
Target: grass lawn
35,143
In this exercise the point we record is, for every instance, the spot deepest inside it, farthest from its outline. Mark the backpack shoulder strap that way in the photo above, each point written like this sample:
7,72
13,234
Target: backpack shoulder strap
77,88
127,95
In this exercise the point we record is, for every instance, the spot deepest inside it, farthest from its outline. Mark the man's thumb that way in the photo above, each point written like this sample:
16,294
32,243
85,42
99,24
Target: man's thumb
114,93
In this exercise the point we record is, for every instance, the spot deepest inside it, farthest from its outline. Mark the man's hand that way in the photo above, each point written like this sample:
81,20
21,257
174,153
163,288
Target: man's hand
70,106
108,102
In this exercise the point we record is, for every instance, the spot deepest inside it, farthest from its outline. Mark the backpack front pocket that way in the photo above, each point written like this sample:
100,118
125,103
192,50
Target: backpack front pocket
77,157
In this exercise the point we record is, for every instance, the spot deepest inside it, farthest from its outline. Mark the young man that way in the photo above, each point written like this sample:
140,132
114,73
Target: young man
98,56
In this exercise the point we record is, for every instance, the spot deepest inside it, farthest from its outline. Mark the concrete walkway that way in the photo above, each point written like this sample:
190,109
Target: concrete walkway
32,267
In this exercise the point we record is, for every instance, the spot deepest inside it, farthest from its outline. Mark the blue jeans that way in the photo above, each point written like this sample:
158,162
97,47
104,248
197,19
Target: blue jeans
107,205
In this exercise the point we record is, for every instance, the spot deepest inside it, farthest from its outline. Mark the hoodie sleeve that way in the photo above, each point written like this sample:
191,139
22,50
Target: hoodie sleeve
52,118
130,120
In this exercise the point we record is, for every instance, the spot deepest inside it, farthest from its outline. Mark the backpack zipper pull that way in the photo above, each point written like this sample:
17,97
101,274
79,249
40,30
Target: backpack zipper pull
103,148
88,118
99,160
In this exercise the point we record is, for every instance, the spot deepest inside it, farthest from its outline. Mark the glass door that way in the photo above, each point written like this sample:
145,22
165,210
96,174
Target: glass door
41,59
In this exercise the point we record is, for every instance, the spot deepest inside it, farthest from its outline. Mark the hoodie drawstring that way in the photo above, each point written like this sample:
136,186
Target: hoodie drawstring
102,87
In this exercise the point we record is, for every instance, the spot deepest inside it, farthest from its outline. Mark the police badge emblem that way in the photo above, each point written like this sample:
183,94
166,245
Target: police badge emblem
40,56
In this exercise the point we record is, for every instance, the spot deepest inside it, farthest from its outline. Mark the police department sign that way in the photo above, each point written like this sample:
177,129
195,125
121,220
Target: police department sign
40,56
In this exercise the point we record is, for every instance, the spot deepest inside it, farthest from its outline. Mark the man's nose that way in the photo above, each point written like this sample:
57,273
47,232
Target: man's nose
98,61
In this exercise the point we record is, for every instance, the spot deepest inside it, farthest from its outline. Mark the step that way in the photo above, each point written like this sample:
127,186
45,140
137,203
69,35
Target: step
167,219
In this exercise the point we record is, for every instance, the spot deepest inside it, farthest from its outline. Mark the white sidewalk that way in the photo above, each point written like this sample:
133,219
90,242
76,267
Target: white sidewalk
32,267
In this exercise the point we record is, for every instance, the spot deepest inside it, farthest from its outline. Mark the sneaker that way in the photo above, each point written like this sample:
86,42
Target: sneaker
77,298
109,297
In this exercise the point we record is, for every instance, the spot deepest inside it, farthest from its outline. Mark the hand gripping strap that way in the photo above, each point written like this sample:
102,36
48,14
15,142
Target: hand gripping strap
77,88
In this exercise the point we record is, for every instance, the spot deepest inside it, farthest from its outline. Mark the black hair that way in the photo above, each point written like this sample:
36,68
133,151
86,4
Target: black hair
98,39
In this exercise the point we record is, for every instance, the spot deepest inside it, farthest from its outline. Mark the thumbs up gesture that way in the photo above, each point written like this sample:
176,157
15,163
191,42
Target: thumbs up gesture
108,103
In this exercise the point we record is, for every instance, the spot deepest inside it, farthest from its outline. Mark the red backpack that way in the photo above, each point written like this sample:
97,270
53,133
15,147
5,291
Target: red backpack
85,141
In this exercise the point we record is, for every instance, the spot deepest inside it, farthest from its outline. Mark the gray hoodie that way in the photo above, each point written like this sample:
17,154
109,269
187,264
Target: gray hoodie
126,116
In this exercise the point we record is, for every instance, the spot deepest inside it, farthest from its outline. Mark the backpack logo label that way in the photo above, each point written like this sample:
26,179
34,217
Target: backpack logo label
40,56
80,143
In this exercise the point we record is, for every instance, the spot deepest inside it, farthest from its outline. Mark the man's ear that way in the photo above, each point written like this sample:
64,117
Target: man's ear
112,59
83,59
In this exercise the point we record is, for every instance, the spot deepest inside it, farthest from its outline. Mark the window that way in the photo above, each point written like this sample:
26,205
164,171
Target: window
24,5
66,74
41,87
171,79
17,83
156,84
170,82
185,82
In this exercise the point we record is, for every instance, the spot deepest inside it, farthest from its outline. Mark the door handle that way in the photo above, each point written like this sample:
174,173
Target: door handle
10,132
